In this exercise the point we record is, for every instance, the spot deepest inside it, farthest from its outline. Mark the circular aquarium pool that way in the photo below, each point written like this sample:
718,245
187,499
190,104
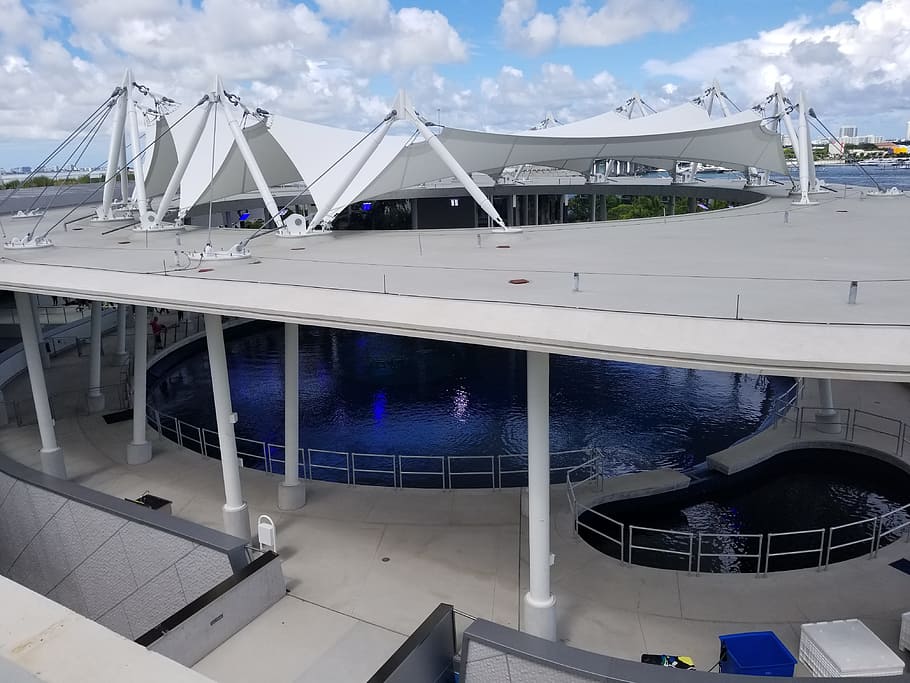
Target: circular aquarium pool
836,501
454,414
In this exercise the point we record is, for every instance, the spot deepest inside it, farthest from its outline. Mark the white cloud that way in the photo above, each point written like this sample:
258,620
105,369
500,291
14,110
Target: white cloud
858,65
839,7
578,24
313,61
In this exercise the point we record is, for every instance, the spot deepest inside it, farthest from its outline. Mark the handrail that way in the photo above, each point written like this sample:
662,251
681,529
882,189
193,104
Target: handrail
754,556
622,527
899,527
684,534
869,539
805,551
187,435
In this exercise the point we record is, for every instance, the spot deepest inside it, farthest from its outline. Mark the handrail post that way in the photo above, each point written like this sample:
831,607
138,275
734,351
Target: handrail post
691,538
767,554
761,538
698,560
872,549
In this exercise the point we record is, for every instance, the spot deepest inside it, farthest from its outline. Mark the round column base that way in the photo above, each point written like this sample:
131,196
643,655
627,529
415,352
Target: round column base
138,453
52,462
237,521
95,403
291,496
828,423
539,617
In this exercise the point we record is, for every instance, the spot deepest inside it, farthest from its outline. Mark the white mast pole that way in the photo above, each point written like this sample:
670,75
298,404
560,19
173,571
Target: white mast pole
343,184
138,170
114,151
249,159
463,176
184,160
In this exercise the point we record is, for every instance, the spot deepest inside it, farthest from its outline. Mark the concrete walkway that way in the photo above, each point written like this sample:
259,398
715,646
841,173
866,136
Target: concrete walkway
367,564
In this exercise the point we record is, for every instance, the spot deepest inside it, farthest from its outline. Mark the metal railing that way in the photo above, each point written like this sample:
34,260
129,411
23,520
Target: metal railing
730,554
371,469
858,524
685,535
886,434
800,551
902,528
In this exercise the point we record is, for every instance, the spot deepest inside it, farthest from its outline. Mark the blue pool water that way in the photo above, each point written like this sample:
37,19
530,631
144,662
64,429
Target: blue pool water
370,393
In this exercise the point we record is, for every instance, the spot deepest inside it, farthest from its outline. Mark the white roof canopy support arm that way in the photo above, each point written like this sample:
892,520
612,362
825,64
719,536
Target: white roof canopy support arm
784,112
138,169
327,206
115,149
244,148
463,176
805,146
124,170
184,161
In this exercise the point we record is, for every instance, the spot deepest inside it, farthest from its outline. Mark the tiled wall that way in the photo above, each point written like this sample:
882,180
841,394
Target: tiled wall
489,665
123,574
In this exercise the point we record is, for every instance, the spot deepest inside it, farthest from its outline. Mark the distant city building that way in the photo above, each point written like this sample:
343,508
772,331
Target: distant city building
848,132
862,139
907,136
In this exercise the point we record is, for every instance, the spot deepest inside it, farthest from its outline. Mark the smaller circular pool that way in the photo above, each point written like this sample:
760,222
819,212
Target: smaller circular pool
804,491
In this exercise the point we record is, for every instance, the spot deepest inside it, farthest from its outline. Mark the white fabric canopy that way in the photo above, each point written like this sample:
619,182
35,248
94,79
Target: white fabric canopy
322,156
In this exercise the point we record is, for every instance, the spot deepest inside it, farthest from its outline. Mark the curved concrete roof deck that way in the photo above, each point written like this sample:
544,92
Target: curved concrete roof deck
652,291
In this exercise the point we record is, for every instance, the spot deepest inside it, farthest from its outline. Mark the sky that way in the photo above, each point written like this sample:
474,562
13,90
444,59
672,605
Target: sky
484,64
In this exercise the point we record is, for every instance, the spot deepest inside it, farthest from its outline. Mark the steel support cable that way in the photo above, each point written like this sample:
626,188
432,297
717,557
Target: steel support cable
44,189
109,102
814,117
261,231
82,147
57,173
126,164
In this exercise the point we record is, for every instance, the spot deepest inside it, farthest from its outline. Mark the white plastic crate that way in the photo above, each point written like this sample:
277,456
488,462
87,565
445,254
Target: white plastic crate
846,648
905,631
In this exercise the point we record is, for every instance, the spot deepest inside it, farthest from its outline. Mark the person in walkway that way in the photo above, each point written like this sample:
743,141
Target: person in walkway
157,329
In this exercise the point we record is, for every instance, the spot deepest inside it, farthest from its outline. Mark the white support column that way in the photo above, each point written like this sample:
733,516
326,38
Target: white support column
120,357
292,491
235,511
539,603
95,397
826,418
805,145
124,170
142,203
446,157
252,166
329,203
139,450
42,346
104,212
51,454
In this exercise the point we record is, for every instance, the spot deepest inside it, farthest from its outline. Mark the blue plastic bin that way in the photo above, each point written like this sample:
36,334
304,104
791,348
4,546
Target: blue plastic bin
759,653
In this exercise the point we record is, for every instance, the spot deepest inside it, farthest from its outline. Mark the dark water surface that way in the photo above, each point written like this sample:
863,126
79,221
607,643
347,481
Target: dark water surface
801,490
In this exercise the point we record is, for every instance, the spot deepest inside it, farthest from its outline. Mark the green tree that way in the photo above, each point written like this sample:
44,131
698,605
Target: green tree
579,208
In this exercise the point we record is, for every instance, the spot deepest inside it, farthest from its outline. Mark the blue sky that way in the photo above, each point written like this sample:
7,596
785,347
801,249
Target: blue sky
498,64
